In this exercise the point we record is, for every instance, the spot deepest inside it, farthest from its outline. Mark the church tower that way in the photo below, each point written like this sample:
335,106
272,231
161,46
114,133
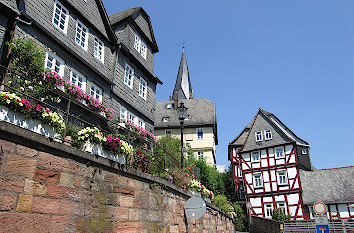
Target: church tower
183,87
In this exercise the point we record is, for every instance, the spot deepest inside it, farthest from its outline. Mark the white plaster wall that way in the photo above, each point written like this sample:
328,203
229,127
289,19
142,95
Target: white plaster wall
267,199
255,201
279,198
293,199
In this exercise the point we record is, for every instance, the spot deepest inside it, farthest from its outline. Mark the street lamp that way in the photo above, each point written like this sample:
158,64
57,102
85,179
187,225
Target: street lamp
182,115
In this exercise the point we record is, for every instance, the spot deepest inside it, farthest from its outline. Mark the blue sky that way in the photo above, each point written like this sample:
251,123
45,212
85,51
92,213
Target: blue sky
292,58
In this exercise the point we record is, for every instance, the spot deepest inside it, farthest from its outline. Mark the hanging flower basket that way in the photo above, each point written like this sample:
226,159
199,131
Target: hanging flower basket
97,149
34,125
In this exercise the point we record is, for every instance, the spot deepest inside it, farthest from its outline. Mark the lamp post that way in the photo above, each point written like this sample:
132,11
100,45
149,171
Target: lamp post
182,115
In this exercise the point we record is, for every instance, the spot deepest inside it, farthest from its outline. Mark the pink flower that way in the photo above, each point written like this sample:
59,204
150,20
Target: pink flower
39,108
48,111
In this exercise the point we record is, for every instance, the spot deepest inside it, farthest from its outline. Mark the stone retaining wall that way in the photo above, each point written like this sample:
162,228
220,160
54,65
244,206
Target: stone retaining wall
265,225
50,187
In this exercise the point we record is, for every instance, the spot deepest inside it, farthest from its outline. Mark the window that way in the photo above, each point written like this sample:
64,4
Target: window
132,117
169,106
60,17
140,46
137,43
200,133
255,157
304,151
259,136
96,92
268,210
128,76
282,179
142,88
168,132
143,50
279,152
78,79
98,50
281,207
123,113
268,134
141,123
81,35
200,155
54,63
257,180
165,119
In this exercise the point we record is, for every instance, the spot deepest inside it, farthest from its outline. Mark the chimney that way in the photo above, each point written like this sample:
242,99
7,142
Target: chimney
175,98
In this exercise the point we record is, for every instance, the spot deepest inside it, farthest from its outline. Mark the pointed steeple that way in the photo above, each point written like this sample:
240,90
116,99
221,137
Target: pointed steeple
183,85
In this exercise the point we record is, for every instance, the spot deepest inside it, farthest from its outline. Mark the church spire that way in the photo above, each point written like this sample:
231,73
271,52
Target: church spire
183,85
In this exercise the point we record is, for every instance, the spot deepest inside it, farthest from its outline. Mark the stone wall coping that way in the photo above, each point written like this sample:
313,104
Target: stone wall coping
33,140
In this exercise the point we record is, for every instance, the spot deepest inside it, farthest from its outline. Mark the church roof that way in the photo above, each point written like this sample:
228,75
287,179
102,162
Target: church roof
201,112
333,185
183,84
262,121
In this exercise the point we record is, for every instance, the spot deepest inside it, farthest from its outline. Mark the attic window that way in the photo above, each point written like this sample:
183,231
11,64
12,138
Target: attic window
140,46
259,136
304,151
169,106
165,119
268,134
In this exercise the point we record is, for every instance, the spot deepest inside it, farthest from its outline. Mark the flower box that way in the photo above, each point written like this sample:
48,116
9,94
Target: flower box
98,150
19,119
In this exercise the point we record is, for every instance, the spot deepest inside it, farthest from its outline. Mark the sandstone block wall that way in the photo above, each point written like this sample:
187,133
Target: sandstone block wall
49,187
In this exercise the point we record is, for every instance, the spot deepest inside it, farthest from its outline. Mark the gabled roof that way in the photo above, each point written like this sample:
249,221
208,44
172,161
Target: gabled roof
333,185
106,22
265,120
127,15
183,84
201,112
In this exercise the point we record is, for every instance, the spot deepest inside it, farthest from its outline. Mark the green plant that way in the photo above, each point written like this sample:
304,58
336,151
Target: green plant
72,131
279,215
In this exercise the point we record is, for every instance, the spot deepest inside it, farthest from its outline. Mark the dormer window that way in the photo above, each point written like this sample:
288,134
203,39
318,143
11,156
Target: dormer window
268,134
259,136
165,119
140,46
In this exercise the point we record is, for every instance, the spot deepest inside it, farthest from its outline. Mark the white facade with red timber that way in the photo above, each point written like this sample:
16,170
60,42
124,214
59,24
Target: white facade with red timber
266,163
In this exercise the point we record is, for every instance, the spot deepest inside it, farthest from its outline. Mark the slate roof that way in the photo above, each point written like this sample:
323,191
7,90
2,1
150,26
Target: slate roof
328,185
262,121
120,17
201,112
183,84
11,4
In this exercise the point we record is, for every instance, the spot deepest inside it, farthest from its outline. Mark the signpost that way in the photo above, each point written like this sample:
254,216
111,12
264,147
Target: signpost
321,219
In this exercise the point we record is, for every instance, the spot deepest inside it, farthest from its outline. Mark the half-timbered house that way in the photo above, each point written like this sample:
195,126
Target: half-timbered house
267,158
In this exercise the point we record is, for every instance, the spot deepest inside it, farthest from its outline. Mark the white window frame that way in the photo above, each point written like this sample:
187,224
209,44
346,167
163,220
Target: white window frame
165,119
67,16
257,176
141,123
80,39
97,44
142,88
130,76
97,91
77,81
259,133
200,155
282,177
54,61
168,132
137,43
276,153
268,134
282,208
255,160
123,113
197,131
268,210
143,50
304,151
